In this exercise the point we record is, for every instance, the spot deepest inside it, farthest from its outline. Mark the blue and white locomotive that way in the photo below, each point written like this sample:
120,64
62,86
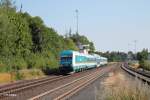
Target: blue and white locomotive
74,61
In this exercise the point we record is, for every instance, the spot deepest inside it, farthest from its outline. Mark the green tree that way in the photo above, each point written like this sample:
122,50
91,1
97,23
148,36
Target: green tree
143,59
26,42
142,55
15,39
83,40
113,56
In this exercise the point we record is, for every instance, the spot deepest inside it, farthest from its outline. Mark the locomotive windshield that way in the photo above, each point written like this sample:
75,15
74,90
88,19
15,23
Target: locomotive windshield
65,59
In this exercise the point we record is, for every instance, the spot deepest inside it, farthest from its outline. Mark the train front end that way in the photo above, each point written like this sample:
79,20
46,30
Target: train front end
66,61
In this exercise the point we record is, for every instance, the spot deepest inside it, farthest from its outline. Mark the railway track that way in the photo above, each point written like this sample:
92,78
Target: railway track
15,90
24,91
135,73
23,83
65,91
7,92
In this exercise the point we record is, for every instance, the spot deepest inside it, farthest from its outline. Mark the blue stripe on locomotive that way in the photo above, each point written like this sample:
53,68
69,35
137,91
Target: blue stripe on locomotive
84,62
80,59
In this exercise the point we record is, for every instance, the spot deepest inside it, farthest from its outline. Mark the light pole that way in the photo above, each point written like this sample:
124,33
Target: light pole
21,8
129,47
77,18
77,29
135,47
129,52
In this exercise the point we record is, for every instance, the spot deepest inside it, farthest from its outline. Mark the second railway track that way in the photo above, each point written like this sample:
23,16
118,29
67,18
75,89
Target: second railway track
133,72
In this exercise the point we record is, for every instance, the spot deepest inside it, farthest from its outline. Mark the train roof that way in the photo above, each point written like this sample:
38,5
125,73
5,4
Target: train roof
103,58
70,52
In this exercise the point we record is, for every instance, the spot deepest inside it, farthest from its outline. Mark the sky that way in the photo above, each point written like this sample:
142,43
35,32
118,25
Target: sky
112,25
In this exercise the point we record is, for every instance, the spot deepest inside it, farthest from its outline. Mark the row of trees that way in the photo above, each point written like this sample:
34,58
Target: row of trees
26,42
114,56
143,58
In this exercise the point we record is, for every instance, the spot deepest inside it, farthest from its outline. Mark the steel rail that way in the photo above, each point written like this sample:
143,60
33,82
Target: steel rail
21,84
93,76
77,89
136,74
33,84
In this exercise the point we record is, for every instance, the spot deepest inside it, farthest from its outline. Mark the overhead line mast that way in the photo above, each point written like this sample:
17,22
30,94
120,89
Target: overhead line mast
21,8
77,18
135,46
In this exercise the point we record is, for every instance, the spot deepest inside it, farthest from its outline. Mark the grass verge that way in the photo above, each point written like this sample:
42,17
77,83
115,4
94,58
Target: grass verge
132,90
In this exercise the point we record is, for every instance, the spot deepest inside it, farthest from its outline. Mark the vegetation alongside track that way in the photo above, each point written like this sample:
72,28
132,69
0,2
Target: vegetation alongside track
25,74
114,56
27,43
133,91
143,59
119,86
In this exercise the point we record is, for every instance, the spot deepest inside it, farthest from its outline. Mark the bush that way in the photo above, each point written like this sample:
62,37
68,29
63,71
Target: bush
19,63
4,68
36,61
41,61
31,73
145,64
18,76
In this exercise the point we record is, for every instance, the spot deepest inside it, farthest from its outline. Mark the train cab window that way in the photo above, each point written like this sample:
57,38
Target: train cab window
66,58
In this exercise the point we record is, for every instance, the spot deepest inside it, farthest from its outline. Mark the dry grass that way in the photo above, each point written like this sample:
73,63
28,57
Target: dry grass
22,75
5,78
119,88
135,65
131,92
31,74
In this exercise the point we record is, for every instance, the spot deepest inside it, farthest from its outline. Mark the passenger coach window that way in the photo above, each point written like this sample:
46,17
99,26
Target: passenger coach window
80,59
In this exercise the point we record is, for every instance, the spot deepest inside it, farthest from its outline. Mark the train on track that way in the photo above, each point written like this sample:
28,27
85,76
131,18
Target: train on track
74,61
